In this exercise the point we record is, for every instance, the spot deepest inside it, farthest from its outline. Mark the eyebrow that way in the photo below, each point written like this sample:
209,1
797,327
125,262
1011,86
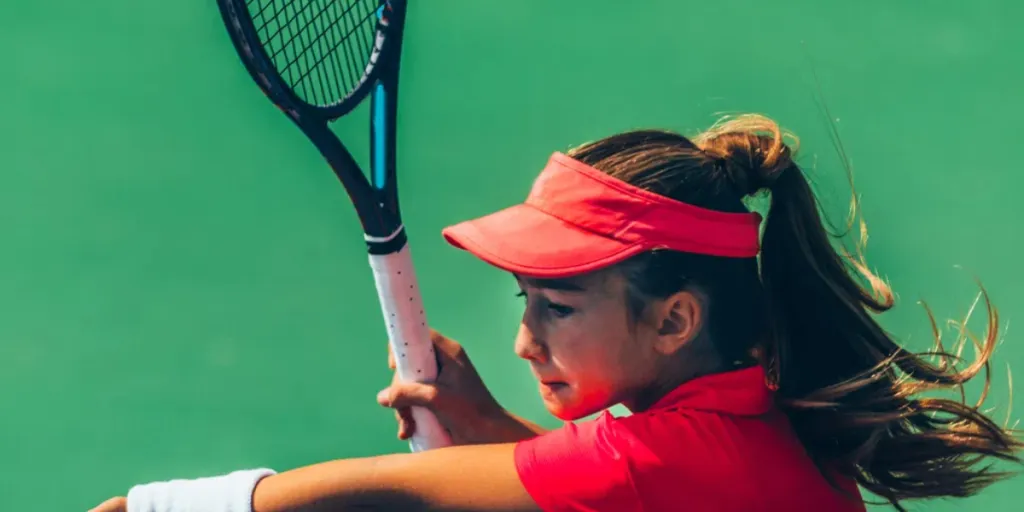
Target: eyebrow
562,284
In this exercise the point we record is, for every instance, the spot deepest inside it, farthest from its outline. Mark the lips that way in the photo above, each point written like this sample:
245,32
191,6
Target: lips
552,386
548,383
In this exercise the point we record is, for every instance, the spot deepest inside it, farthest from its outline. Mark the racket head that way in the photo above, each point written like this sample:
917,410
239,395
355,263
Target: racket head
316,60
316,57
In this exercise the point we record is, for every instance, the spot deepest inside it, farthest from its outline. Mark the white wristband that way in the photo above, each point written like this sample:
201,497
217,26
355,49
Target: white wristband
226,493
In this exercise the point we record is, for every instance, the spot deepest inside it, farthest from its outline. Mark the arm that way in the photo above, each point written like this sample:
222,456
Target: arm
464,478
577,467
477,478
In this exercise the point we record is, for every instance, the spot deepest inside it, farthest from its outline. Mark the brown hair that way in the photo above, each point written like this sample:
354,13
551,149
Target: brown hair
806,309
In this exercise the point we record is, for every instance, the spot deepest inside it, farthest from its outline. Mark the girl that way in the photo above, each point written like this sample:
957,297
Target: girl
756,375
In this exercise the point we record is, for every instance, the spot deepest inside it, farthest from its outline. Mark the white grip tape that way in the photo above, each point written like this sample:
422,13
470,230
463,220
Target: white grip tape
409,336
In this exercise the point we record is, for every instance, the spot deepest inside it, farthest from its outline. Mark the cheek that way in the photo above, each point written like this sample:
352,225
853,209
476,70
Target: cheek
600,371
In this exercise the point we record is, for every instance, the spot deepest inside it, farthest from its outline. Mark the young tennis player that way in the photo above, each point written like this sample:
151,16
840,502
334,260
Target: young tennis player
757,376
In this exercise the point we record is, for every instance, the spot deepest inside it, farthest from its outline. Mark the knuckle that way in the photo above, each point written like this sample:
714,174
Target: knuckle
436,337
431,395
447,345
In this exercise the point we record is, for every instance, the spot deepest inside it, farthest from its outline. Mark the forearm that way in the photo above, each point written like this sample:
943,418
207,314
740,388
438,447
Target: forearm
467,478
348,484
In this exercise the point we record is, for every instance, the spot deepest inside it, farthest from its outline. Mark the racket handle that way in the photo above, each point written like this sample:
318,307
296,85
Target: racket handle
409,337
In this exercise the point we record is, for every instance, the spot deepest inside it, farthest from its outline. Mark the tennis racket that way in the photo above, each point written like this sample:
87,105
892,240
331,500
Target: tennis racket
316,60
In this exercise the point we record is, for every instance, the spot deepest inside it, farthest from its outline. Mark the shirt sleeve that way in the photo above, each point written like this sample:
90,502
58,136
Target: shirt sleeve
578,468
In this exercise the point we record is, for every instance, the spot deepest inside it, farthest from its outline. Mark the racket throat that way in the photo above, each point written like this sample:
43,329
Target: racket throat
388,244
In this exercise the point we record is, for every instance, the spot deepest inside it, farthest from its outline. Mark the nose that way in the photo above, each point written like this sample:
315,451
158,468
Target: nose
528,347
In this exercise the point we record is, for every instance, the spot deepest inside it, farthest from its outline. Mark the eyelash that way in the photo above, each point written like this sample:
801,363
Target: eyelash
558,310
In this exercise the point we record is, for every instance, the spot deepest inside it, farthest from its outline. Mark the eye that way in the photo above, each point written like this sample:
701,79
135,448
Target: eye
560,310
557,310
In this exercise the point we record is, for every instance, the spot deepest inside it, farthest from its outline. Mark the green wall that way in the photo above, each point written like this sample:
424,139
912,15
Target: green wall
183,286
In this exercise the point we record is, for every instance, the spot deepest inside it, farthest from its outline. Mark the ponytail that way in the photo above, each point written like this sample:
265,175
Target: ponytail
848,388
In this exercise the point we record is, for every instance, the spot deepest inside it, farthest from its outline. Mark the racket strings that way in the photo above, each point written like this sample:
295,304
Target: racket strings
324,86
320,47
353,72
284,45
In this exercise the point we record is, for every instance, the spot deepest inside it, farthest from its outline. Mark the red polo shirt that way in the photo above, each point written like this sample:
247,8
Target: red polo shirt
714,444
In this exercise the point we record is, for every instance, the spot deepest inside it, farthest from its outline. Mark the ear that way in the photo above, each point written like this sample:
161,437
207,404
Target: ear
679,320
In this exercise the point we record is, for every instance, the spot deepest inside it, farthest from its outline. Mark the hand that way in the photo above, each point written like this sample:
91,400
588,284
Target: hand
458,397
118,504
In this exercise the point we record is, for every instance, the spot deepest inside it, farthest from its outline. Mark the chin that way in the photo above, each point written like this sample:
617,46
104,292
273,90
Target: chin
561,412
570,410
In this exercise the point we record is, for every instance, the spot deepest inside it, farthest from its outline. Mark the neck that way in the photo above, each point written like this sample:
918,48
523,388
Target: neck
677,371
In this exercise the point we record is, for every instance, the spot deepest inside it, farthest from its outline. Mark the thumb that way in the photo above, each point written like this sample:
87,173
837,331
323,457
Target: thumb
403,394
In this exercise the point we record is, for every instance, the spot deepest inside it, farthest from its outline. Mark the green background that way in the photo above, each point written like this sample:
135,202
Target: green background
183,285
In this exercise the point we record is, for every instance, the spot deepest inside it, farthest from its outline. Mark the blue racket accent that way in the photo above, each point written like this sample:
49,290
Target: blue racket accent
379,174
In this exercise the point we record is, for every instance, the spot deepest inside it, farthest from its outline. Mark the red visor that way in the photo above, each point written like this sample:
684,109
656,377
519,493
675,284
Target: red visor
577,219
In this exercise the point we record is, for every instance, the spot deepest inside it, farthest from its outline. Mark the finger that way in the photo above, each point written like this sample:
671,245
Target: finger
406,425
118,504
384,397
391,357
406,422
408,394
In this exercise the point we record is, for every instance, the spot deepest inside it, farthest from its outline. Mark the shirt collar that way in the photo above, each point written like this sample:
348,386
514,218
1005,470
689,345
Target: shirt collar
743,392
